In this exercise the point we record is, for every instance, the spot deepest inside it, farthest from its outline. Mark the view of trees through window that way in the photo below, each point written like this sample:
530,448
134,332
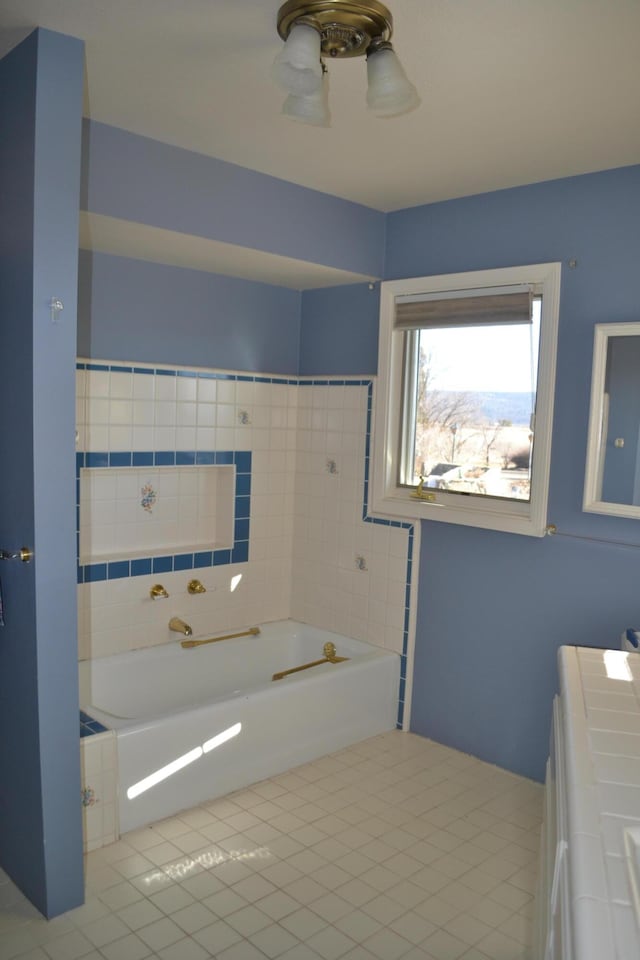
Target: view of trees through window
474,408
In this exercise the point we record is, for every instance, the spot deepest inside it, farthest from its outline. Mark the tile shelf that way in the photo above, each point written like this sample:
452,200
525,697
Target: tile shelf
157,516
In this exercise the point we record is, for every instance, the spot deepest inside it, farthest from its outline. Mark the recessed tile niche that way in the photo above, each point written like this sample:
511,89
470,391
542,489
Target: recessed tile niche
131,512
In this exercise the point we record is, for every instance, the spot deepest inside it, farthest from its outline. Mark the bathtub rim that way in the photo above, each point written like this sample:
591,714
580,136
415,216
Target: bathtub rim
360,651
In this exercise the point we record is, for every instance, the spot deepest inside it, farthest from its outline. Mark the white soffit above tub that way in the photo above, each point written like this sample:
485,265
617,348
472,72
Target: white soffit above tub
513,91
127,239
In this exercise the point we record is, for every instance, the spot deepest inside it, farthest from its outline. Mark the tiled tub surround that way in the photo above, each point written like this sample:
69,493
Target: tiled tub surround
196,724
314,553
99,786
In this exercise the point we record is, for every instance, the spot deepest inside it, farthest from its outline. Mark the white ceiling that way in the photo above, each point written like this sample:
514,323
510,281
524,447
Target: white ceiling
513,91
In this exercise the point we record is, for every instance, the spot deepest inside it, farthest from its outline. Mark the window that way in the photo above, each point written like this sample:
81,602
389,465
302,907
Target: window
464,401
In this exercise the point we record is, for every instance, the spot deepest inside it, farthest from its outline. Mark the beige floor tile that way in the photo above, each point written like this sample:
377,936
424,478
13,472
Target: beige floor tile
397,848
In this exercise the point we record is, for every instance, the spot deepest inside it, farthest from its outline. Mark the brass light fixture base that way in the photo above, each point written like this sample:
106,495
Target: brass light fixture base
346,27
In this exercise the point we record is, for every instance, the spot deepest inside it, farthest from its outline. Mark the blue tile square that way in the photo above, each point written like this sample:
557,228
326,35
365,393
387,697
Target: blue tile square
240,552
243,484
165,373
241,530
224,457
97,460
164,458
121,369
162,564
144,370
183,561
94,572
221,557
118,569
243,507
242,460
79,574
185,457
96,727
140,568
120,459
143,458
203,559
205,457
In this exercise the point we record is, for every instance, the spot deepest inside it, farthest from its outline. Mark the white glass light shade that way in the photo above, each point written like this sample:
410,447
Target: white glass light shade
312,109
389,91
297,67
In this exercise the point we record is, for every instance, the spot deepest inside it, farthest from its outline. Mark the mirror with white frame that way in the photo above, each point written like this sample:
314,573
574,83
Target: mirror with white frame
612,476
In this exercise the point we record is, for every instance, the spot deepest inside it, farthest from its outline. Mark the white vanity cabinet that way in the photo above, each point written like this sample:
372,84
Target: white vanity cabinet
585,903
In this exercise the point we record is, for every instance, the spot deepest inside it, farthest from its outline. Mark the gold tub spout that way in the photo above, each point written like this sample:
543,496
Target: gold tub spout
180,626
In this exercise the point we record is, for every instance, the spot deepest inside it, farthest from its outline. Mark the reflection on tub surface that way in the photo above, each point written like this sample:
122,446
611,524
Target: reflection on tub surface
194,725
180,762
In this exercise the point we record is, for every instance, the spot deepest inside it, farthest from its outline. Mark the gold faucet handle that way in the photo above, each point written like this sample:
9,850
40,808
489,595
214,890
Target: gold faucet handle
157,591
194,586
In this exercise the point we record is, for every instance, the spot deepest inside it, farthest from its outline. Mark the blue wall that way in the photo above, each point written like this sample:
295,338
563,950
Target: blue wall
339,330
135,178
40,819
493,608
134,310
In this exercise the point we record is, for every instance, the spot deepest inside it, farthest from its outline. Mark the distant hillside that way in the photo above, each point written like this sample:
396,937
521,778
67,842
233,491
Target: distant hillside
515,407
506,406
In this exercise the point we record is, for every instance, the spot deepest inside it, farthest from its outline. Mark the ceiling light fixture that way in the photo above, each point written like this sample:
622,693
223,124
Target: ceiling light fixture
313,29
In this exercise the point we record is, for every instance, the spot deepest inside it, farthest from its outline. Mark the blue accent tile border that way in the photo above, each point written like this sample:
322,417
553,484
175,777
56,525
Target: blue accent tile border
240,551
89,726
142,566
403,525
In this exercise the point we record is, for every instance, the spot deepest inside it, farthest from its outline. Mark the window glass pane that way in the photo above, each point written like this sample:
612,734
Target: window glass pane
469,426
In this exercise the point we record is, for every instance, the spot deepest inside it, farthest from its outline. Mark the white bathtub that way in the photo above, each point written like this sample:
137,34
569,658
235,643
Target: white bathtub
195,724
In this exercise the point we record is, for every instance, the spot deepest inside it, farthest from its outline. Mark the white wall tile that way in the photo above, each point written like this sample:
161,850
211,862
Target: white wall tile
206,391
97,383
306,510
226,392
186,389
165,389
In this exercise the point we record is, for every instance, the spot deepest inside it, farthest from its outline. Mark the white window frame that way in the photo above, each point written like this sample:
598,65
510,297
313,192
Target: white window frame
390,499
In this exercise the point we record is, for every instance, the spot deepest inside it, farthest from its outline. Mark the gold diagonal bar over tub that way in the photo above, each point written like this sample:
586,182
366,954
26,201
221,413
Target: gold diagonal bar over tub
329,651
251,632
